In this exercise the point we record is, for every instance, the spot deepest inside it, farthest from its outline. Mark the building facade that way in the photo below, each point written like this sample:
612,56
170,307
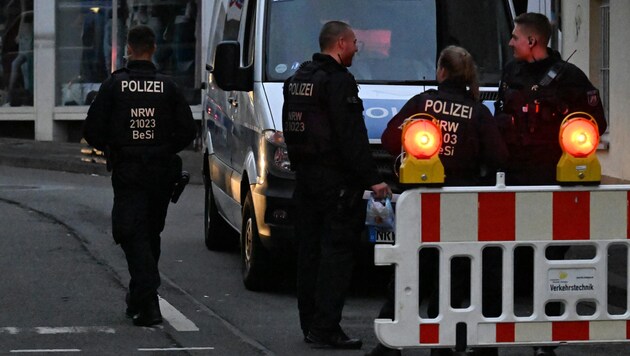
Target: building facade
55,54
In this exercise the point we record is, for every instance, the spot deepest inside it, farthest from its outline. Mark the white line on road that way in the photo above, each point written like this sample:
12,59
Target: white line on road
177,349
74,330
44,350
174,317
46,330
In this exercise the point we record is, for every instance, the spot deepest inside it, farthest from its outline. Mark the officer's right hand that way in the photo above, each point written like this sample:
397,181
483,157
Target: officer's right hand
381,190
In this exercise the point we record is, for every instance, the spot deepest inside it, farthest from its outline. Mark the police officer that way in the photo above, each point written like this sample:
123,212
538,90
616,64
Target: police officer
141,120
329,151
470,138
472,150
538,89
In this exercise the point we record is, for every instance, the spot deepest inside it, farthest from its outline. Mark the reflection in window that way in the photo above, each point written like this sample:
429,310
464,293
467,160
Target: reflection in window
175,25
16,53
91,40
80,58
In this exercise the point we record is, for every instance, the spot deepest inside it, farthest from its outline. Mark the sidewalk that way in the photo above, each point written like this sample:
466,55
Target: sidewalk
68,157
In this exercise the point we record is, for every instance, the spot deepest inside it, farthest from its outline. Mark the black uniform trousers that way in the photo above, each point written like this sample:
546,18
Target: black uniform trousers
329,227
142,192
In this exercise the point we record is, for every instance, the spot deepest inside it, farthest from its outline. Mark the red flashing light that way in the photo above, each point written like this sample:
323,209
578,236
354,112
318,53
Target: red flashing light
422,138
579,136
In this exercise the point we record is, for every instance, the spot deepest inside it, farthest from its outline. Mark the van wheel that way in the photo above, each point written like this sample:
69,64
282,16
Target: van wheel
255,261
218,235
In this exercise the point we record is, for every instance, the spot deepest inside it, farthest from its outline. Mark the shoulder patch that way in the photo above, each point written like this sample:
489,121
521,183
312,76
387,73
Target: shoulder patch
592,97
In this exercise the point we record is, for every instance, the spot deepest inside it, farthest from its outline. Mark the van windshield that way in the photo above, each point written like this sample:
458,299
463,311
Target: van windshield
398,40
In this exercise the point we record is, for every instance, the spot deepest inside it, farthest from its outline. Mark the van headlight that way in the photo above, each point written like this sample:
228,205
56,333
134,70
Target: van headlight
277,150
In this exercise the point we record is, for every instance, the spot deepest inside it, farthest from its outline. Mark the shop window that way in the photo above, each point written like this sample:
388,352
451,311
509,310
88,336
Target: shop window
16,53
91,43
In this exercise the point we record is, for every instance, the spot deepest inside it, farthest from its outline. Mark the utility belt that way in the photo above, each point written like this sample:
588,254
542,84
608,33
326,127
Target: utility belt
312,157
139,154
149,166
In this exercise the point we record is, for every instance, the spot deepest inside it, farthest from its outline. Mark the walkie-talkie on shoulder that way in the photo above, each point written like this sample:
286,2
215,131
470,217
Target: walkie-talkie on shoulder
554,71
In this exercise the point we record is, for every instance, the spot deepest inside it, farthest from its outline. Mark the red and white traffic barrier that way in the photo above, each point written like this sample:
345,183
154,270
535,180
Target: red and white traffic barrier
463,221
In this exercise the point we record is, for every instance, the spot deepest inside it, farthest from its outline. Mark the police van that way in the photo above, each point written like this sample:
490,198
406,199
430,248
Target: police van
254,45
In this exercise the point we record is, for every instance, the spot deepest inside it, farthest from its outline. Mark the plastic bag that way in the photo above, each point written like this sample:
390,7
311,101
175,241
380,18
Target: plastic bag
380,213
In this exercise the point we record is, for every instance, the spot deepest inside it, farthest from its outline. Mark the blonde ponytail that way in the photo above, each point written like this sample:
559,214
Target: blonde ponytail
460,68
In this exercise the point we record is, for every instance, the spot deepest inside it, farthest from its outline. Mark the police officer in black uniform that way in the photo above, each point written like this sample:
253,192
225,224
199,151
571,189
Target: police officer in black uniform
538,89
472,147
329,151
472,151
141,120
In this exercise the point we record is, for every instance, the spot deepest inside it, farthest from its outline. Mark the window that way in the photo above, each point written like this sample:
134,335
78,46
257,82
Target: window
16,53
398,40
80,57
91,43
233,20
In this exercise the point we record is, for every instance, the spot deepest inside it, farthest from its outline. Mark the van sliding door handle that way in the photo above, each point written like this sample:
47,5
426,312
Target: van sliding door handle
233,101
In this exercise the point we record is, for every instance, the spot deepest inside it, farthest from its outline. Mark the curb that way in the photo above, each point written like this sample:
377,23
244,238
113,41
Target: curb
67,157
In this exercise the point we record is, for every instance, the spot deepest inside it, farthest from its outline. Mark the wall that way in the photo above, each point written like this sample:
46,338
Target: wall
617,162
581,32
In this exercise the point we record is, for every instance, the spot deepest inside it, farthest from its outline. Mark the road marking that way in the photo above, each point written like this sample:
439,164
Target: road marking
174,317
177,349
74,330
43,350
46,330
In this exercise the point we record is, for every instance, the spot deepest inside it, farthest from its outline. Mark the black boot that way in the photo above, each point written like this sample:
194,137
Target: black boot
382,350
131,308
336,339
485,351
544,351
149,314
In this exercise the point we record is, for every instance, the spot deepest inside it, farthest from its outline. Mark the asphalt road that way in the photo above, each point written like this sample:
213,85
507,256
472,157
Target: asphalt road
63,284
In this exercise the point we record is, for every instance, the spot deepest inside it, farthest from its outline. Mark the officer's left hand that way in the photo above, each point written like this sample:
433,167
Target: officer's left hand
381,190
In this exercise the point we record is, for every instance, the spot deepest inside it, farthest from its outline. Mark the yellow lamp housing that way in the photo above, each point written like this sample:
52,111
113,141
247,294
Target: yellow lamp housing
421,141
579,138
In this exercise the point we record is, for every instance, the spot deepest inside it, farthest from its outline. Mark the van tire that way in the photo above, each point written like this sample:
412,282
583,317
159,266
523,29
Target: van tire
255,260
218,235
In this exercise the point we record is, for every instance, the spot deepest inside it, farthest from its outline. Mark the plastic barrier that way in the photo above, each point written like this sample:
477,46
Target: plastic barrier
592,292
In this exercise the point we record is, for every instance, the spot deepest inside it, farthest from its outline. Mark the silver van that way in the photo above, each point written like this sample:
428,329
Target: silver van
254,45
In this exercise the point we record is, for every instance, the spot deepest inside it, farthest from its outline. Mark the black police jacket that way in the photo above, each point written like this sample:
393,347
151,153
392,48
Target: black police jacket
139,110
470,137
322,119
533,100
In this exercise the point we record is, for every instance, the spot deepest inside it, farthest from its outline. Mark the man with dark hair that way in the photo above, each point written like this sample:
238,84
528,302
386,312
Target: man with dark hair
142,39
327,142
141,120
537,91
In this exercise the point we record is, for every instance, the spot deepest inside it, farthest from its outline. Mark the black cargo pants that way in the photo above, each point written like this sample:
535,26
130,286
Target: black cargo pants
142,191
328,227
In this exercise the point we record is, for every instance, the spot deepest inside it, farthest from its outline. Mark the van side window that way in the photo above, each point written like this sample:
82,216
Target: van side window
249,34
233,20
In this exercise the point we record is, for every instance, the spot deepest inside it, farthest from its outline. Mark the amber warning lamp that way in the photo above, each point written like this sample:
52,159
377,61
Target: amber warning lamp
579,138
421,141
